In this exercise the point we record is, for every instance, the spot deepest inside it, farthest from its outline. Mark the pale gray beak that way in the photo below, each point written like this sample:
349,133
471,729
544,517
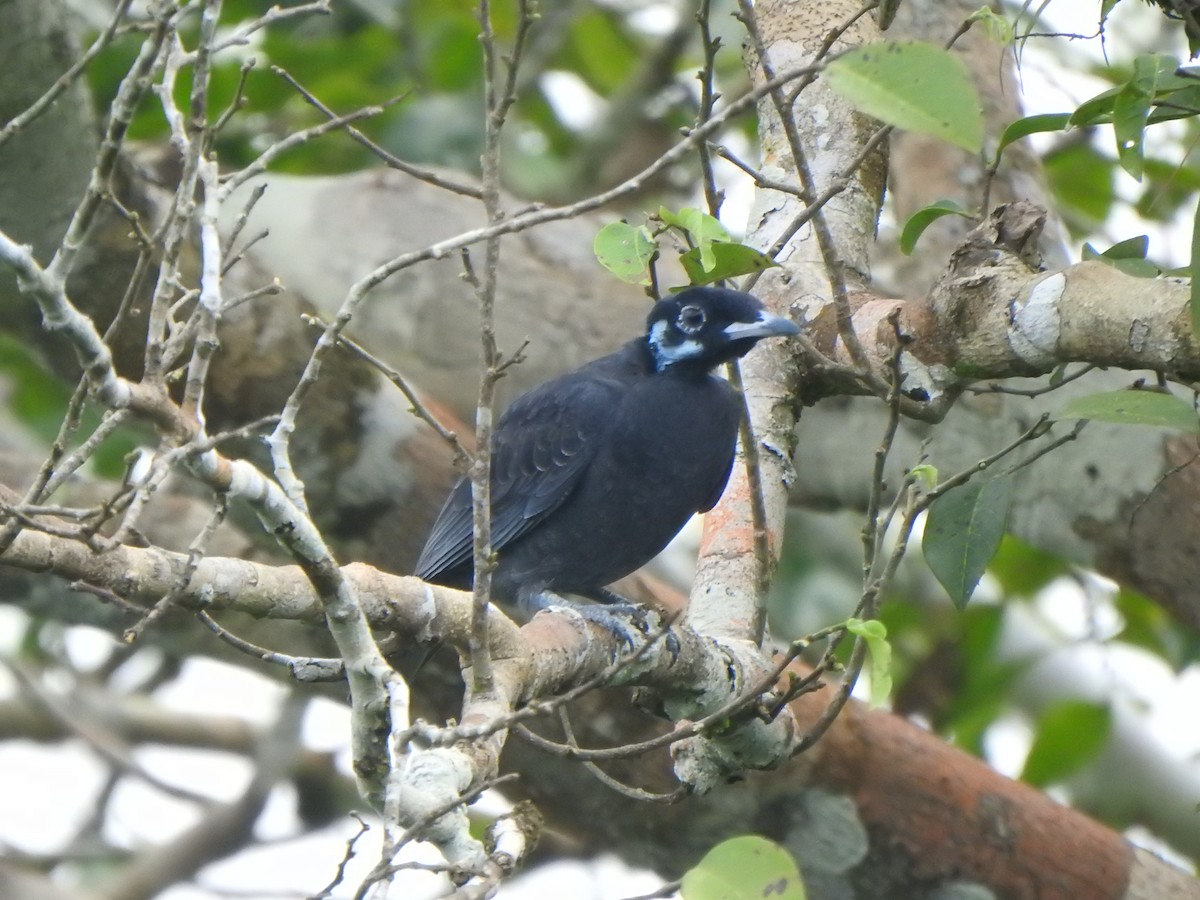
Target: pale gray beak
766,325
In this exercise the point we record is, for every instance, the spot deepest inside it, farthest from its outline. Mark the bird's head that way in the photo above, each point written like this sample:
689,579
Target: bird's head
702,327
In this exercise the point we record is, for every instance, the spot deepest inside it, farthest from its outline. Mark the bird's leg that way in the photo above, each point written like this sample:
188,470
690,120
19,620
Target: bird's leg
612,599
612,612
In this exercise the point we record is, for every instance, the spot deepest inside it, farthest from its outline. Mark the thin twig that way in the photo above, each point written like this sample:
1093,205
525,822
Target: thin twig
418,407
429,176
23,119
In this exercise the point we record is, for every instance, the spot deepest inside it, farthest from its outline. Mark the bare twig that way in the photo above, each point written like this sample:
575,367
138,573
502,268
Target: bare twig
23,119
429,176
419,409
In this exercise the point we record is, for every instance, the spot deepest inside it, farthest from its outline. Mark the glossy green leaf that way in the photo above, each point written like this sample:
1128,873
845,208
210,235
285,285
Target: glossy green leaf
1182,103
1134,407
728,261
1095,110
874,633
914,86
744,868
625,251
963,531
702,231
1069,735
1129,256
1032,125
1131,109
923,218
1130,248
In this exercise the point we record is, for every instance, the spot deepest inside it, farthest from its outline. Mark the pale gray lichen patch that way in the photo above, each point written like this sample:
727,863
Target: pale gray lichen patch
1035,321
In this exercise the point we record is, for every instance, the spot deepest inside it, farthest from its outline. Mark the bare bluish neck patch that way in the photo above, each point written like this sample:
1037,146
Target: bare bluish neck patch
666,352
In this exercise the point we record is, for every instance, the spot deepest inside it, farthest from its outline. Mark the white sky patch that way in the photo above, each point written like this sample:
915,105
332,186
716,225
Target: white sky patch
575,104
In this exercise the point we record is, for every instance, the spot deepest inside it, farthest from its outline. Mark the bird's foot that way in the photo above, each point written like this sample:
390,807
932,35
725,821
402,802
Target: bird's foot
631,623
627,621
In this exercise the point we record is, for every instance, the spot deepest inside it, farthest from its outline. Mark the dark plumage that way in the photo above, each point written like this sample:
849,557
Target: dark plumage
595,471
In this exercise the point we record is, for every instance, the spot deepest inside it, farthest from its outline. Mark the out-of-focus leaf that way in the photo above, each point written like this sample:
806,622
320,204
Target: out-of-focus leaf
35,396
963,531
1149,626
1023,569
1134,407
1069,734
1032,125
994,25
625,250
1082,180
1129,256
744,868
923,218
985,682
600,51
874,633
914,86
924,476
38,400
1131,109
1130,248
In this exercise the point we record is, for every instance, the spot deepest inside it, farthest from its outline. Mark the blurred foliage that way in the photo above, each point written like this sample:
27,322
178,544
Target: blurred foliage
627,90
39,400
1069,734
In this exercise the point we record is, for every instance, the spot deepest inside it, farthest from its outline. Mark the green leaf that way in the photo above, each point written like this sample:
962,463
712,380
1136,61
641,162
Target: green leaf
1147,625
1130,248
1082,180
1134,407
1094,110
1182,103
744,868
1032,125
923,218
925,476
1023,569
1129,256
728,261
914,86
995,26
1069,734
696,222
1131,109
599,50
963,532
625,251
874,633
702,231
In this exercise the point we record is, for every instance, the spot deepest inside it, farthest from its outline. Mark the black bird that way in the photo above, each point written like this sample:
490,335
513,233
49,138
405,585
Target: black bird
595,471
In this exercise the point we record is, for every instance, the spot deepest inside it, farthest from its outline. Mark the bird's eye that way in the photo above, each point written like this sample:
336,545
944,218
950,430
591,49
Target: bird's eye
691,319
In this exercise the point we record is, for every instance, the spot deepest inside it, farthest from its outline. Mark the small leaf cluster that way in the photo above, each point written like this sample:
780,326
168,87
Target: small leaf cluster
709,254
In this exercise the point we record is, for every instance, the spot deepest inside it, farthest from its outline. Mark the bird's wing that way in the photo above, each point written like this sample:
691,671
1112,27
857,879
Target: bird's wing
718,487
725,416
540,449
